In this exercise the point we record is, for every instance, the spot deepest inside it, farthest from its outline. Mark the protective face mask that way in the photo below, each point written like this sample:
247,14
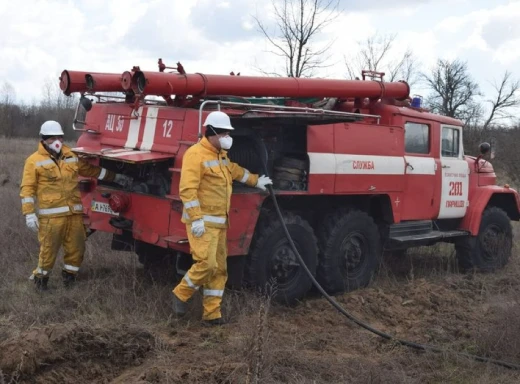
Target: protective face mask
56,146
225,142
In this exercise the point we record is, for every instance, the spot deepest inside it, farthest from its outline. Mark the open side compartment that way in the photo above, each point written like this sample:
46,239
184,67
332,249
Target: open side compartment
280,143
150,170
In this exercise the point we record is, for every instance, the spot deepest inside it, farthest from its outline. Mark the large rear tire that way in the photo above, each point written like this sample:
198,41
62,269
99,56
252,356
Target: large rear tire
273,264
350,251
491,249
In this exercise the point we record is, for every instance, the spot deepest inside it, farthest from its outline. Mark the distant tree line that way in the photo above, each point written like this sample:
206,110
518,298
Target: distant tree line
24,119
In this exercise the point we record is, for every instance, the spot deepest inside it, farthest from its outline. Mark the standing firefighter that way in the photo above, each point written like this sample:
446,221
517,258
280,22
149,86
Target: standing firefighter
50,177
205,189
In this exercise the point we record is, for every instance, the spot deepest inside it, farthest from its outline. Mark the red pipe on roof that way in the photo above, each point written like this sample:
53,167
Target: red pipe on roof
160,83
198,84
79,81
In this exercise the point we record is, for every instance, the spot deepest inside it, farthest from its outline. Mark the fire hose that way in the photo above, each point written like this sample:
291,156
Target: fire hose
344,312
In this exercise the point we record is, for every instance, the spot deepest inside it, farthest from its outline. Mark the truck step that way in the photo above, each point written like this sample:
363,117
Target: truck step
409,228
187,142
174,169
176,239
432,235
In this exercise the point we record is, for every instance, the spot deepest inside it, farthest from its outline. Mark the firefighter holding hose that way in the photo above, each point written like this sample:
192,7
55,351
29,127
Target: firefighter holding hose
205,189
50,178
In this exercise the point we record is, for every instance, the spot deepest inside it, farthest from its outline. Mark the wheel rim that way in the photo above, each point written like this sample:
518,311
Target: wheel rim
353,251
283,267
494,242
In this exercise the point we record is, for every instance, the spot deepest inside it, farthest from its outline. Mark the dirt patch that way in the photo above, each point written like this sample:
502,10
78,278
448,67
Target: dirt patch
73,352
422,309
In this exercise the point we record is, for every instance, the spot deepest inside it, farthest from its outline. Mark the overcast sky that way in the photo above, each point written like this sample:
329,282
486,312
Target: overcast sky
38,39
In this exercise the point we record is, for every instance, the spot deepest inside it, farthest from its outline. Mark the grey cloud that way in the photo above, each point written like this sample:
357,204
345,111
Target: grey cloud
159,33
224,24
500,30
357,5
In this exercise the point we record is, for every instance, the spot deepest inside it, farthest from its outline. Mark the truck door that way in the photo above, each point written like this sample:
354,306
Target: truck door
454,174
418,200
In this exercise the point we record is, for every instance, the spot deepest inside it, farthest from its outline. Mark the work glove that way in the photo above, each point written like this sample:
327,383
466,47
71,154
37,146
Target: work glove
197,228
31,220
123,180
263,181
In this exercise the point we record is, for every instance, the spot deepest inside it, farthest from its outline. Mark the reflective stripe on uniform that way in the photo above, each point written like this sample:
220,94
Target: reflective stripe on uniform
214,292
190,283
225,162
245,177
52,211
71,160
191,204
44,162
78,207
185,215
69,267
211,163
41,271
102,174
27,200
214,219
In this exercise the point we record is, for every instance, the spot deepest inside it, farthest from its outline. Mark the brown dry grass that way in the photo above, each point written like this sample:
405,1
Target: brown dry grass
116,324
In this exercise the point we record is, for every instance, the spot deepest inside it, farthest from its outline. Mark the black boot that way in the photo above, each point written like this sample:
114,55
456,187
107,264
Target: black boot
179,307
68,279
214,322
41,283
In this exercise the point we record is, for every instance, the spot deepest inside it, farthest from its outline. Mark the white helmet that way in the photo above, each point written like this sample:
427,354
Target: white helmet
51,128
219,120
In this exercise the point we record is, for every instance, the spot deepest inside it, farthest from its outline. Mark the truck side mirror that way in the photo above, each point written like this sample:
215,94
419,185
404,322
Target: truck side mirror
86,103
484,148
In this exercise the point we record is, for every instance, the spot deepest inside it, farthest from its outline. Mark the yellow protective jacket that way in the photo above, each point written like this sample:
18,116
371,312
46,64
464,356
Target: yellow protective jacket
53,182
206,184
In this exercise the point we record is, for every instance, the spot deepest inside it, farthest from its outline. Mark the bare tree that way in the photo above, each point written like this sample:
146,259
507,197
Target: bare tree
7,106
55,105
7,94
298,23
453,91
507,97
53,97
378,53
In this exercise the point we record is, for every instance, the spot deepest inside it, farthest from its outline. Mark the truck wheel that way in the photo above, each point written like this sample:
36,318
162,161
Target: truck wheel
274,267
158,263
491,248
350,250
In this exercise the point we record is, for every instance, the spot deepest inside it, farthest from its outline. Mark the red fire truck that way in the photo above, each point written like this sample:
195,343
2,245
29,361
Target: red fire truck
358,167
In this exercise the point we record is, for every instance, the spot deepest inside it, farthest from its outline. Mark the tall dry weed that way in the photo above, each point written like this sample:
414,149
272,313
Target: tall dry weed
111,285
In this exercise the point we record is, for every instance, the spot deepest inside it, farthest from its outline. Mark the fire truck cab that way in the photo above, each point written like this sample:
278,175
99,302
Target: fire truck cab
359,168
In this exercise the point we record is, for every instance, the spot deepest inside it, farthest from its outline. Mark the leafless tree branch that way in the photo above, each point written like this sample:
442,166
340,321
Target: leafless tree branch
374,54
298,22
453,90
507,97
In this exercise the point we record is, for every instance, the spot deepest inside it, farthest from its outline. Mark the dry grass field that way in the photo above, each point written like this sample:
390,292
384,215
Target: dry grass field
116,325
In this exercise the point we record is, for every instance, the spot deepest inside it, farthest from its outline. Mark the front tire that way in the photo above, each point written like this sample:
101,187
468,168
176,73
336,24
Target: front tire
273,263
491,248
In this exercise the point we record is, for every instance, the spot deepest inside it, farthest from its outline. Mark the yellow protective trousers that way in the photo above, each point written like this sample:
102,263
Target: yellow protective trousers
208,271
54,232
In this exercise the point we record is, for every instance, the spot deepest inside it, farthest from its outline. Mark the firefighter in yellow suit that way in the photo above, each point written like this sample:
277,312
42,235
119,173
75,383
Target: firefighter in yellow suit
50,179
205,190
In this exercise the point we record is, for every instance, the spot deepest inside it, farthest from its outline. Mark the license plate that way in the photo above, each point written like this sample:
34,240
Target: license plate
102,208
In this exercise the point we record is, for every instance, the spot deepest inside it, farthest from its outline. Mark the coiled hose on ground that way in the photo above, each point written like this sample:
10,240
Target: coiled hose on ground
335,304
